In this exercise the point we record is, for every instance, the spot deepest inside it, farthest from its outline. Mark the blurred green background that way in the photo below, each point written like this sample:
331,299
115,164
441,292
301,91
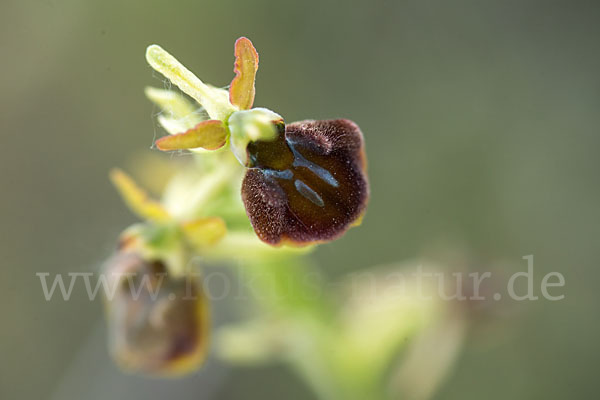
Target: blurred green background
481,122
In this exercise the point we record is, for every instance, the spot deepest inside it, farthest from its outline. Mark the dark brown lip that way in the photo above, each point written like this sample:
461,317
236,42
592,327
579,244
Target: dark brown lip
309,184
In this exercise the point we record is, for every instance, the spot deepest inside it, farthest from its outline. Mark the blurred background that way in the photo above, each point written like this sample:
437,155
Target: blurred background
481,122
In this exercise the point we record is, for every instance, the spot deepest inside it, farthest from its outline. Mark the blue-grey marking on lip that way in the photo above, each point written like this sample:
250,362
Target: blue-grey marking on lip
300,161
307,192
285,174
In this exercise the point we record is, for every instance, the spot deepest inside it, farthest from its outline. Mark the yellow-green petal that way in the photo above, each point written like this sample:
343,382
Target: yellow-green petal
209,135
137,199
204,232
241,91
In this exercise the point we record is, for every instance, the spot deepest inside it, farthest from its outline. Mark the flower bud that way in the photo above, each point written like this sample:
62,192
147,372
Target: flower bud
158,324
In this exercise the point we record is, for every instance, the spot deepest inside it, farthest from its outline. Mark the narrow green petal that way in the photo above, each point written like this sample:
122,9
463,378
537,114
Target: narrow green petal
170,102
217,106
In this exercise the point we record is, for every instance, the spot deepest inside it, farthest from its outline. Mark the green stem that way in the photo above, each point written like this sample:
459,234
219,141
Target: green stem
302,302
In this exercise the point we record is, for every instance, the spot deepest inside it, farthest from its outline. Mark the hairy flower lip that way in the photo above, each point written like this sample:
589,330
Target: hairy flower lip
308,186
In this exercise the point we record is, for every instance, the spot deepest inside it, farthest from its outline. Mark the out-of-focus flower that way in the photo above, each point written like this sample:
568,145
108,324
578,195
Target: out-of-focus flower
395,325
158,324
